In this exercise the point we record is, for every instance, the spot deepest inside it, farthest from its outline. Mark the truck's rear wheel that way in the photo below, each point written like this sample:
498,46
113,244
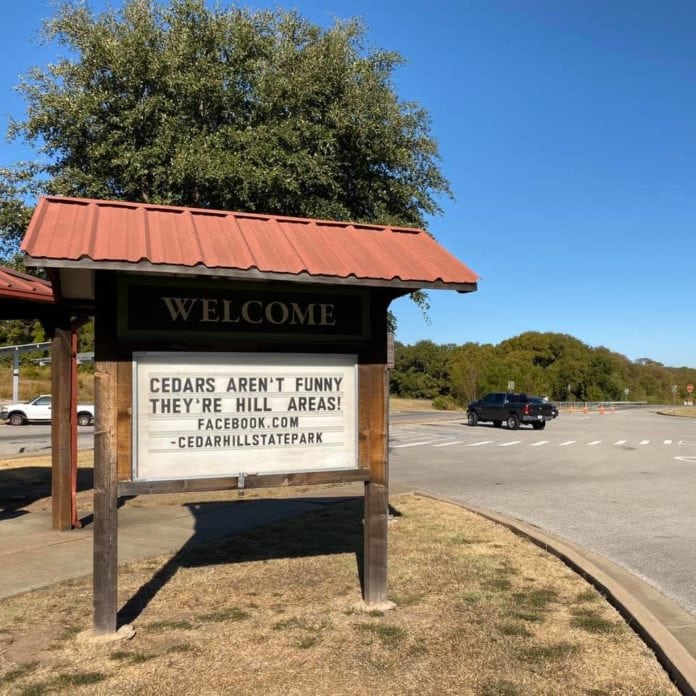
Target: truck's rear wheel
513,422
84,419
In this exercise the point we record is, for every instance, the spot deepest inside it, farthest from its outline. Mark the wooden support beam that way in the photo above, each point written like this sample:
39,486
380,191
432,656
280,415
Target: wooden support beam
105,590
373,454
61,458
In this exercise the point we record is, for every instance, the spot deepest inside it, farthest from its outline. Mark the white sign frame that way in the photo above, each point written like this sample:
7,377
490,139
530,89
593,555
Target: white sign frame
246,452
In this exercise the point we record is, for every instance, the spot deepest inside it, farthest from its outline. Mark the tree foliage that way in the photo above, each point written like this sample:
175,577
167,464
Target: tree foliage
261,111
555,365
18,185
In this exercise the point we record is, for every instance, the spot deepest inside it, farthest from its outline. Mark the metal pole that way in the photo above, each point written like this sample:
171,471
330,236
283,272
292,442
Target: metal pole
15,376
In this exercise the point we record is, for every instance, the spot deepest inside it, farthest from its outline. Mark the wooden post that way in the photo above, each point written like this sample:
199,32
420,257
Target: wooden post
373,447
61,499
105,590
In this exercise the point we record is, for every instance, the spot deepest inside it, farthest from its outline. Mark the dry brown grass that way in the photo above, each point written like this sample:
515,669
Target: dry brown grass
35,380
396,404
685,411
478,611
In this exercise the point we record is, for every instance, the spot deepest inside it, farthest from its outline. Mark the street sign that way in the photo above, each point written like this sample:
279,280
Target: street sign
689,388
511,386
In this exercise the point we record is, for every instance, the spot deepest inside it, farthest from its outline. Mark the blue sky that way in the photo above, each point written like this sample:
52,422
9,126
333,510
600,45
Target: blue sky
568,132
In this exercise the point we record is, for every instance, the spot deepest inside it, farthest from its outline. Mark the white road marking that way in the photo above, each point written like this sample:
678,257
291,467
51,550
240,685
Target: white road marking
691,460
620,442
595,442
509,444
568,442
412,444
540,443
667,442
644,442
478,444
449,444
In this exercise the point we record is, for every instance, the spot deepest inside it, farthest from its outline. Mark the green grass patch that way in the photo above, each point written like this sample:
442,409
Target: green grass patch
499,687
388,634
168,625
536,599
181,648
461,540
530,616
131,657
472,597
18,672
592,622
289,624
587,596
513,629
65,680
497,584
406,599
307,642
228,614
550,652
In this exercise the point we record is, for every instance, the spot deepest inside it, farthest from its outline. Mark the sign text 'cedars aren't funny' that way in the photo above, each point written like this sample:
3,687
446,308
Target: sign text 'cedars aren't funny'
222,414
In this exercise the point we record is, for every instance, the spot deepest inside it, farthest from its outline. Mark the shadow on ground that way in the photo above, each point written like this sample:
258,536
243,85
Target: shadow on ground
335,527
22,486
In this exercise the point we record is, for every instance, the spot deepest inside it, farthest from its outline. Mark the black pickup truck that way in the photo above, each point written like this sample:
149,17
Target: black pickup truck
511,409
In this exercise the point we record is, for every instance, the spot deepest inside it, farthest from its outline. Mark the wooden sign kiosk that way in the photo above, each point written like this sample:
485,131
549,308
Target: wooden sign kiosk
234,351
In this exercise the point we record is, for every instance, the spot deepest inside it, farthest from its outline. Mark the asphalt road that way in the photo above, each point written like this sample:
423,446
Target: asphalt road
622,485
36,439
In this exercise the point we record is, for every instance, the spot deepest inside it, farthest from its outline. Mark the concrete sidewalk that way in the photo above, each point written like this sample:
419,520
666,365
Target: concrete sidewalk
33,556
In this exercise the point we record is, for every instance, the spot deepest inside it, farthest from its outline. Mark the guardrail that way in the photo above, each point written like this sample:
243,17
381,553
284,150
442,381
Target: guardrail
598,406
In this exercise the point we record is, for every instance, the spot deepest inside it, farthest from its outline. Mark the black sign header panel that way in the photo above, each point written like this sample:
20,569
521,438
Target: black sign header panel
176,309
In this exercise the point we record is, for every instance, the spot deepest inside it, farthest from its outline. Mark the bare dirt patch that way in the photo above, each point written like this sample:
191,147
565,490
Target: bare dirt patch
478,611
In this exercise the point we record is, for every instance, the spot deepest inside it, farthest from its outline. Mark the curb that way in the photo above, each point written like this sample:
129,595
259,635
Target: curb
676,660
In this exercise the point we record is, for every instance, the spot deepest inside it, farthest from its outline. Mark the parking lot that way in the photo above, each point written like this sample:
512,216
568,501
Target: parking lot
621,485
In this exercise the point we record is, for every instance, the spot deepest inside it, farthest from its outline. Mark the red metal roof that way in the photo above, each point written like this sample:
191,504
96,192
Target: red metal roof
72,232
20,286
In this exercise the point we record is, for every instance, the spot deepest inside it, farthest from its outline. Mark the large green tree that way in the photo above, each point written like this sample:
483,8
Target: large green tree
178,103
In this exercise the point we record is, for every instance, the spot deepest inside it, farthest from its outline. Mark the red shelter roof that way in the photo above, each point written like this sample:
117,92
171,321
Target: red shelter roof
83,233
20,286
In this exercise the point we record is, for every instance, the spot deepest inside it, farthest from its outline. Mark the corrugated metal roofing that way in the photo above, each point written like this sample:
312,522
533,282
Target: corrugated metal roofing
20,286
71,232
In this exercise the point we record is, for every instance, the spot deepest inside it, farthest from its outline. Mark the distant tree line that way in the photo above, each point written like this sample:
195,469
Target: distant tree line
558,366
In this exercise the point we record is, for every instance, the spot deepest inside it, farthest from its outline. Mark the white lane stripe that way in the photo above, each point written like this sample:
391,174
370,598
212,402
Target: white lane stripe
478,444
539,444
568,442
412,444
595,442
620,442
644,442
509,444
667,442
449,444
